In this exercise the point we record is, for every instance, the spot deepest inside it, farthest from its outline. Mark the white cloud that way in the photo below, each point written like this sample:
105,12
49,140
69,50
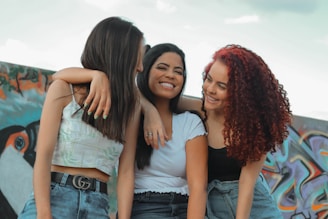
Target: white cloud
104,4
299,6
243,19
17,52
52,57
189,27
165,6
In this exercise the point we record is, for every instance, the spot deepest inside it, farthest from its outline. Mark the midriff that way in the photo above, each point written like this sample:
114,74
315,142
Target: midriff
88,172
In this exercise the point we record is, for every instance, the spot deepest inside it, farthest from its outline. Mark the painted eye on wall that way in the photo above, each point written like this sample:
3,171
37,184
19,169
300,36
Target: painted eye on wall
19,143
19,140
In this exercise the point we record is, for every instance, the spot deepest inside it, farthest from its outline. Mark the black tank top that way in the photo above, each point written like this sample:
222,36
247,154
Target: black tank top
222,167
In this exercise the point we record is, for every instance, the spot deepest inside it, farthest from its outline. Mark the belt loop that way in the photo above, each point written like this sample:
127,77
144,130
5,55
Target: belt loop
172,197
148,195
64,179
97,189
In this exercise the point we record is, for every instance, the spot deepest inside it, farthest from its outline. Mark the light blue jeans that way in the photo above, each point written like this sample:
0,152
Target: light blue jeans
68,202
223,197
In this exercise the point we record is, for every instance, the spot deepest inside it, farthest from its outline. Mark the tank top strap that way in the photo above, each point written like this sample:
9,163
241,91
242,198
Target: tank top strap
72,92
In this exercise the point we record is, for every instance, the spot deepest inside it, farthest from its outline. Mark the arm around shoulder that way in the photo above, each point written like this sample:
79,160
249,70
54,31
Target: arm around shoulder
189,103
99,94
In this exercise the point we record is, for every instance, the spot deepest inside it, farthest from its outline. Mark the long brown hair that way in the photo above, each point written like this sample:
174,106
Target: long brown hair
113,48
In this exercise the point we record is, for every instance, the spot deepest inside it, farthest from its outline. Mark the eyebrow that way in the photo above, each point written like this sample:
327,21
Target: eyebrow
222,83
219,82
167,65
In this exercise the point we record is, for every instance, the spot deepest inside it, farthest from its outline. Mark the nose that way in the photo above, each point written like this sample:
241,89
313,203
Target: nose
211,88
140,67
170,74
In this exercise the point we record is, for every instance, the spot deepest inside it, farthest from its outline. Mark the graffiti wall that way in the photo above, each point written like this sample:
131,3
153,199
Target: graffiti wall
296,173
22,92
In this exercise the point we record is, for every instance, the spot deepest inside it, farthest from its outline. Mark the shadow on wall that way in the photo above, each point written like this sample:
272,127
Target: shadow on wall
296,174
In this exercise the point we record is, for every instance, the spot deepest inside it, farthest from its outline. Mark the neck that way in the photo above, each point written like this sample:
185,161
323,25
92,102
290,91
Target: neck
163,107
216,116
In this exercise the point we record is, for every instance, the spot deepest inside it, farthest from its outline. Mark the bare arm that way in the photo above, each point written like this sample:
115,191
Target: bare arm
47,138
191,103
99,95
125,180
247,180
152,123
197,155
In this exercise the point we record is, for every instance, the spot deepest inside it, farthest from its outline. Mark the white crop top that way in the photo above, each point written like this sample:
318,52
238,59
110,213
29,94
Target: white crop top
81,145
167,169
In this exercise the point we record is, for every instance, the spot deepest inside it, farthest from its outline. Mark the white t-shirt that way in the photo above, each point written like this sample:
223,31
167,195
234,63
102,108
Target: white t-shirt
167,169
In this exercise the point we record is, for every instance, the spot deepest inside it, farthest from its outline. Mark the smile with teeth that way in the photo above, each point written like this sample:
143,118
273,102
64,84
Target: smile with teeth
167,85
211,99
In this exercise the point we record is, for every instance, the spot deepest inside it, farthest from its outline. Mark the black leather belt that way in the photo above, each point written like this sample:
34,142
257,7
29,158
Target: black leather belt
80,182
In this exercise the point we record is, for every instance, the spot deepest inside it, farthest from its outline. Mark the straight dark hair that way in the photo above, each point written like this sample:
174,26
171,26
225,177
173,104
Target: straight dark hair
113,48
144,151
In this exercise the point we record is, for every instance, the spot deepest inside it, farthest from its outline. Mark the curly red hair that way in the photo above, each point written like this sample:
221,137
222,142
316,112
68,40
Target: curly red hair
258,111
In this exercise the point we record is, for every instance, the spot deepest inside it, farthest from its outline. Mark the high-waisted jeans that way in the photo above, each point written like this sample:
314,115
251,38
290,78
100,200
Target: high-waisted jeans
71,203
223,197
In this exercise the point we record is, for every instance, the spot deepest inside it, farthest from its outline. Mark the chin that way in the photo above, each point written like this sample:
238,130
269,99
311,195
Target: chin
209,106
212,107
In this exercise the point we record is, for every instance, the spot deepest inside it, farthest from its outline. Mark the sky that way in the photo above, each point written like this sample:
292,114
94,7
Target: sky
290,35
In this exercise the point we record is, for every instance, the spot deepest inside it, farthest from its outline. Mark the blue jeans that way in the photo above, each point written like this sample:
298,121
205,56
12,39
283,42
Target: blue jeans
71,203
159,206
223,197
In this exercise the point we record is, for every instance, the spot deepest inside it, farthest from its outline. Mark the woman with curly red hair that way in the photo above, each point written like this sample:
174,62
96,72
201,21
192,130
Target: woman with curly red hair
246,113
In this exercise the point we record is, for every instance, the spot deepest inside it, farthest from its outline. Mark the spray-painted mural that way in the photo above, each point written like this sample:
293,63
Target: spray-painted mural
22,92
296,174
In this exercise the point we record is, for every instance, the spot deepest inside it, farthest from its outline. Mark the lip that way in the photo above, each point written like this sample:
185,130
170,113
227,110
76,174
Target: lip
210,99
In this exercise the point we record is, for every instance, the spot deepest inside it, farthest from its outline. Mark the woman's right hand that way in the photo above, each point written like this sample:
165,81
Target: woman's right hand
99,98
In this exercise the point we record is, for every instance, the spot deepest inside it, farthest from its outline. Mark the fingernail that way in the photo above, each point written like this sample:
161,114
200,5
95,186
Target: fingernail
85,105
104,116
89,113
95,116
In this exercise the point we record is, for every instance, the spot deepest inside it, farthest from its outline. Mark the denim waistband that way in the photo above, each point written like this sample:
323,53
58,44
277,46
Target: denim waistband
157,197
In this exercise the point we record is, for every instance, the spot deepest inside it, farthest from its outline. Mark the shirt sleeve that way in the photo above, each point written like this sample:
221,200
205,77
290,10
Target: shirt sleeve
193,126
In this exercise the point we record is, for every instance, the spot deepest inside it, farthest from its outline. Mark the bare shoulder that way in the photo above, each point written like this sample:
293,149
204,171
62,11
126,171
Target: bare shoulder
59,90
